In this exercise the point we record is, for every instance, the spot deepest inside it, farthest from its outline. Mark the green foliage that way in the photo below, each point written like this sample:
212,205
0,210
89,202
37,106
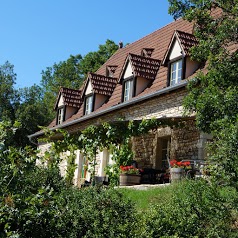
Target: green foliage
92,61
24,105
145,199
35,201
31,112
224,155
33,106
8,95
121,155
213,96
196,209
98,212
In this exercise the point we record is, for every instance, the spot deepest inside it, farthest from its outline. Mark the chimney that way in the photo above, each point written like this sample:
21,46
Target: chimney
120,44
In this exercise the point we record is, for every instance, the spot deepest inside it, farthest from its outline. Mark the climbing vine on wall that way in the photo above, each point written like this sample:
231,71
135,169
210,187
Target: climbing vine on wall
114,136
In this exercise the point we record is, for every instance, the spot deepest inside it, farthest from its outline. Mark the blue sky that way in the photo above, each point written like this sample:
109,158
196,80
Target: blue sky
37,34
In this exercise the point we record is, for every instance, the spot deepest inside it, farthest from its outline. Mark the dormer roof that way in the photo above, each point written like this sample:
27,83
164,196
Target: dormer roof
112,68
142,66
70,97
147,52
185,40
101,84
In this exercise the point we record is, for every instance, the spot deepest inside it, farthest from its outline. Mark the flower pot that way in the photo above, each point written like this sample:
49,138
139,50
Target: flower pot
176,174
129,179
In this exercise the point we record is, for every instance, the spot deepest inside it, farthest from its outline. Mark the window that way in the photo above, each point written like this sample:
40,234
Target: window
176,72
60,117
88,105
128,90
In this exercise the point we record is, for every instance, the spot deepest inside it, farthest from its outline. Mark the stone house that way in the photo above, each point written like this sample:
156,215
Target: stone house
145,79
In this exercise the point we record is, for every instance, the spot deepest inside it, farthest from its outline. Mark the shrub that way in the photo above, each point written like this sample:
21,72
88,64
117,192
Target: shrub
98,212
197,209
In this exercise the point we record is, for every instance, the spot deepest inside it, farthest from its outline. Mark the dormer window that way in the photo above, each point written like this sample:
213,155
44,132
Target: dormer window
128,90
60,115
88,104
176,72
177,57
68,102
137,74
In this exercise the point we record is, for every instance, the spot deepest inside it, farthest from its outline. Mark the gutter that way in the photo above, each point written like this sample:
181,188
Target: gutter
113,108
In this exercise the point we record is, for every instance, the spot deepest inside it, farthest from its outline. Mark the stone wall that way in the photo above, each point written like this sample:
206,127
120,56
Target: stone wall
184,145
185,142
144,149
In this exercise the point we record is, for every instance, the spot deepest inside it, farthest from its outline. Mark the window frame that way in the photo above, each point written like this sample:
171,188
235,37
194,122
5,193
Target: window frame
132,88
91,95
60,113
183,70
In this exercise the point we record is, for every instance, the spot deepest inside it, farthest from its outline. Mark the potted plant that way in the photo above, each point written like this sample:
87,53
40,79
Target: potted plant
177,169
129,175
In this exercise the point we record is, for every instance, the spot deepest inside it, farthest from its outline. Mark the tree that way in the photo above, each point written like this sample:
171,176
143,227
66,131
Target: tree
31,112
8,95
93,60
24,105
214,95
72,72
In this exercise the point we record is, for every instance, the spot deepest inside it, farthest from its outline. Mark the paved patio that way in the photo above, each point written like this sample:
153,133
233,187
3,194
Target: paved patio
145,186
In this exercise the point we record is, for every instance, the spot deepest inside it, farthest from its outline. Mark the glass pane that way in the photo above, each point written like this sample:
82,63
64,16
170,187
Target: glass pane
128,90
173,76
173,67
60,115
179,74
176,72
180,64
89,105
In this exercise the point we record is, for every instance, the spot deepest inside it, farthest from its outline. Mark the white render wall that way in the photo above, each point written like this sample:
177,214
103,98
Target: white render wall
61,101
102,160
89,88
128,72
176,51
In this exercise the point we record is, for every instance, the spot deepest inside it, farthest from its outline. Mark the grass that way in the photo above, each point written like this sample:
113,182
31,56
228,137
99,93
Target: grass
143,199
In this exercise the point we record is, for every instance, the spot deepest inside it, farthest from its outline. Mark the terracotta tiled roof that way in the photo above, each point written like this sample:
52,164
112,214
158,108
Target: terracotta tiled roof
159,41
143,66
71,97
187,40
102,84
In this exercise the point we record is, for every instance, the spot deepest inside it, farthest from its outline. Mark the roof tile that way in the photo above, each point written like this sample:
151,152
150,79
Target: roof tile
143,66
102,84
71,97
187,40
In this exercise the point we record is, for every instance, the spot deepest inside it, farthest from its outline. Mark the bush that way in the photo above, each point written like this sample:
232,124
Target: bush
197,209
35,202
98,212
